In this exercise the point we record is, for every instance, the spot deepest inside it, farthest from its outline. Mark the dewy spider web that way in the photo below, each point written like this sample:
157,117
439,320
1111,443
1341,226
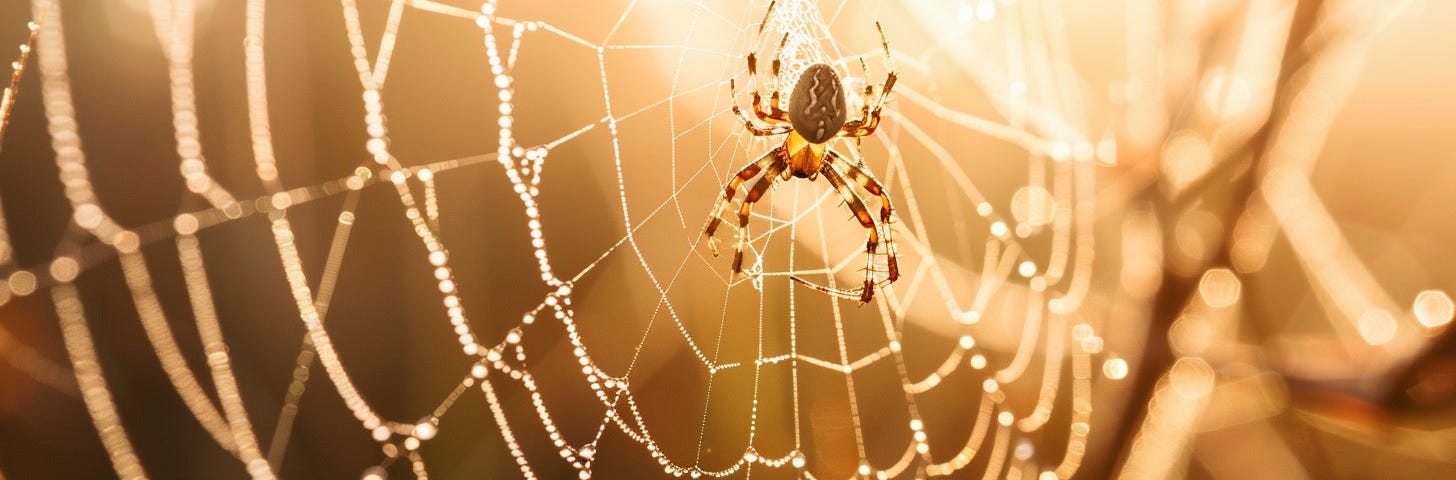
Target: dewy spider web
921,335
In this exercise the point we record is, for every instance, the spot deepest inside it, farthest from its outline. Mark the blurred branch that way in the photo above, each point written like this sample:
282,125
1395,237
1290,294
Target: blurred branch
1178,289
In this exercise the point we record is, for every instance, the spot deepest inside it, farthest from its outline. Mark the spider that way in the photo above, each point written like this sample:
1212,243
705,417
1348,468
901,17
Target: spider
816,115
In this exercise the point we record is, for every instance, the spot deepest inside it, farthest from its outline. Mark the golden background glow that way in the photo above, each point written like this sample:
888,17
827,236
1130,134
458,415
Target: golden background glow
318,239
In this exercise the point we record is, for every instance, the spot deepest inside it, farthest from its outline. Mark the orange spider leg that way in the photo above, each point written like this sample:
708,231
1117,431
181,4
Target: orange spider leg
871,120
753,196
774,115
758,129
864,111
862,214
730,190
870,184
890,64
775,112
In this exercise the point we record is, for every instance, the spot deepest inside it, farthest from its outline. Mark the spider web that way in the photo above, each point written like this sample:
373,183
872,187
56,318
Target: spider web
976,359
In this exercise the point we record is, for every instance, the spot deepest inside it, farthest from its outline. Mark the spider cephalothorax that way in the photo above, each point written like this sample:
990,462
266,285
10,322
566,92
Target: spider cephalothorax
816,115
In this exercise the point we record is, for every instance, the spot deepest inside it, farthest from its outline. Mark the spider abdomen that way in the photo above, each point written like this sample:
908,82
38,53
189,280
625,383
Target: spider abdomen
816,108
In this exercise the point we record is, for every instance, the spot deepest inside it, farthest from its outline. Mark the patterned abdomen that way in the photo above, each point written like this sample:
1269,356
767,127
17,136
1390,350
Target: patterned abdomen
816,107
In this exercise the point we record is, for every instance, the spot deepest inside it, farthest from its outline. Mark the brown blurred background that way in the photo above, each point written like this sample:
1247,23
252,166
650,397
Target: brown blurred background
1219,111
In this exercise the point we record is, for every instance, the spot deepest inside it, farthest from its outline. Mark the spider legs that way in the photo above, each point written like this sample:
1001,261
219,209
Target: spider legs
730,190
761,123
870,117
774,114
754,126
753,196
889,62
772,164
862,214
868,182
864,111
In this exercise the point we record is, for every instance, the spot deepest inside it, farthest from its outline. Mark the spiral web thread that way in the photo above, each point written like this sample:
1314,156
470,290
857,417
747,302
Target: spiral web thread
1030,92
